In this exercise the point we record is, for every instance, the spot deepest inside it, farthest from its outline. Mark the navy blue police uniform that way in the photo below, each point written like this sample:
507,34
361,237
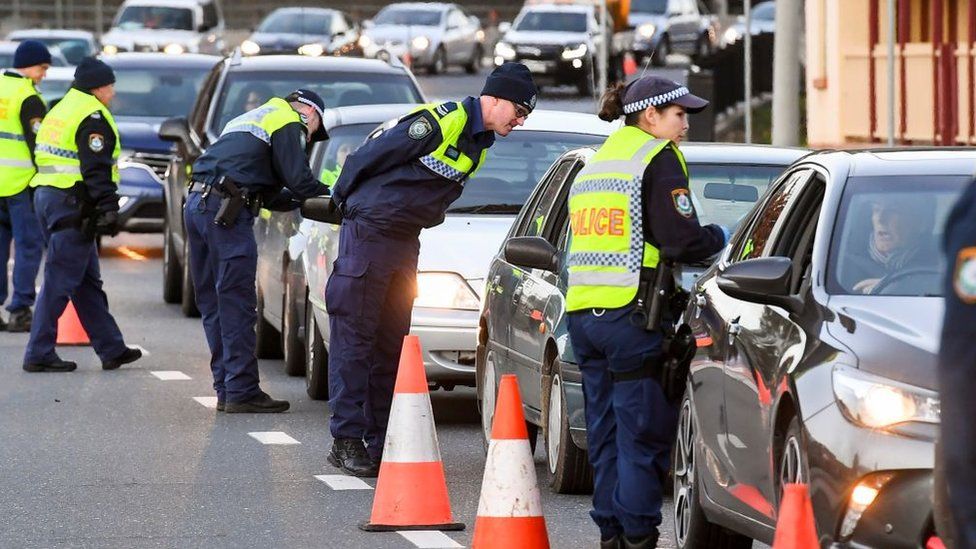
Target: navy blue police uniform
957,359
396,184
262,155
630,422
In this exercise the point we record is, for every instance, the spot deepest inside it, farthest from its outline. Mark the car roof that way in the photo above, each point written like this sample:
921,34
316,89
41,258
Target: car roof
364,114
167,3
901,161
302,9
274,63
562,8
60,73
420,5
734,153
143,59
44,33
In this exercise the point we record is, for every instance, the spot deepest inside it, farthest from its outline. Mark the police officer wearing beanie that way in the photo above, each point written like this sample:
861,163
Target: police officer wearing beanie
401,180
258,161
76,199
630,423
21,115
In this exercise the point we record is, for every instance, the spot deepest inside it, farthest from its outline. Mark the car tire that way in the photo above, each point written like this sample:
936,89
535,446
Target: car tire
703,49
292,349
268,341
438,64
660,56
316,358
569,468
791,463
475,65
188,297
692,530
488,389
172,275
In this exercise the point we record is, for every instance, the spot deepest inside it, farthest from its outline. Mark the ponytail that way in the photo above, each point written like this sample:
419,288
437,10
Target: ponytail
612,102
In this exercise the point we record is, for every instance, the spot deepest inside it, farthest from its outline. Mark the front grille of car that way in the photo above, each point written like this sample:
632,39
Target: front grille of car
544,51
158,162
144,47
150,211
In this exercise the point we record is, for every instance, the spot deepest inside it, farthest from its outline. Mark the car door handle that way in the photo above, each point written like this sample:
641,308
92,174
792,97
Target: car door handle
734,330
700,302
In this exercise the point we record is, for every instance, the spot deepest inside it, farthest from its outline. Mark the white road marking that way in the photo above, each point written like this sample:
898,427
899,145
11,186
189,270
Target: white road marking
145,352
209,402
429,539
273,437
170,375
344,482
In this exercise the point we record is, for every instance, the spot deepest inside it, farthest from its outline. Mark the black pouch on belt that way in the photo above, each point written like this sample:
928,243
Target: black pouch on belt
231,202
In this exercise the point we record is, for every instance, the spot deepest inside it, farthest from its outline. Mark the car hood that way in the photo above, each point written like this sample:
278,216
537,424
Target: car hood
126,38
638,19
283,40
893,337
386,33
141,134
545,37
464,244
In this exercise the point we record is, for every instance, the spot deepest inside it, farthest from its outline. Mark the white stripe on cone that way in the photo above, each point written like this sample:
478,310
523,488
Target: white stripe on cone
509,487
410,435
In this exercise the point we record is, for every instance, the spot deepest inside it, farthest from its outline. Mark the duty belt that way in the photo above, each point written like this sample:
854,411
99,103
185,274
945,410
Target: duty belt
252,200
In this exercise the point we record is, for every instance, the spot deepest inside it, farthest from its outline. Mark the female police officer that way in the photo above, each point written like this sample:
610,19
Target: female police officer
630,207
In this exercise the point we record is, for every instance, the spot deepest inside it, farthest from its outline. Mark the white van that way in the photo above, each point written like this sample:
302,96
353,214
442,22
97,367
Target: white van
169,26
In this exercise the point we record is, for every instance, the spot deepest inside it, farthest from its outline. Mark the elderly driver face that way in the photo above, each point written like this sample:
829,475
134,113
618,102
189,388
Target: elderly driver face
893,226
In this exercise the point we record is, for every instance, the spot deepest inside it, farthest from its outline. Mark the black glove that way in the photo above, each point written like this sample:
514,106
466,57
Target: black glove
107,223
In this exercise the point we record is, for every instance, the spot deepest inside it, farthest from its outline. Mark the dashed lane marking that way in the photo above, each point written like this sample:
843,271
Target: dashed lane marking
273,437
429,539
344,482
209,402
170,375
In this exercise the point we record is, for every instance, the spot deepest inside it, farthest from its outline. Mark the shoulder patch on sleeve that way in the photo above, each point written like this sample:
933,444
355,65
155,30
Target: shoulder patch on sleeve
96,142
682,202
420,128
444,109
964,278
35,124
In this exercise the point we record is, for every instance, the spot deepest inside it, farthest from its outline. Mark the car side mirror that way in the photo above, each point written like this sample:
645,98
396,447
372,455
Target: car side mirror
175,129
321,208
532,252
504,27
763,280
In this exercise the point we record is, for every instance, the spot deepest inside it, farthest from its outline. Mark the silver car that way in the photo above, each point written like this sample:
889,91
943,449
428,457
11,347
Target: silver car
74,44
168,26
431,35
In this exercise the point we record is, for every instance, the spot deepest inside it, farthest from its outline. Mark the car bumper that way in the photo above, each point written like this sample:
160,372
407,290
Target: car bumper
141,209
559,71
449,339
418,58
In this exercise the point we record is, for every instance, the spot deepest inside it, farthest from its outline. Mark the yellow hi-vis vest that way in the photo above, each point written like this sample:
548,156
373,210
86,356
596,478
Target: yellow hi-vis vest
263,121
447,160
607,249
16,166
56,152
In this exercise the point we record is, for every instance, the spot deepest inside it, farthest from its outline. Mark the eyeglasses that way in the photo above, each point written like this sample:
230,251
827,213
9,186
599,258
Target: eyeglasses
520,111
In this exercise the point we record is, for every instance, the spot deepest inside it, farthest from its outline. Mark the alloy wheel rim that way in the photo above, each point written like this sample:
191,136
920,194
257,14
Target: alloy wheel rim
488,395
684,473
311,329
554,430
790,470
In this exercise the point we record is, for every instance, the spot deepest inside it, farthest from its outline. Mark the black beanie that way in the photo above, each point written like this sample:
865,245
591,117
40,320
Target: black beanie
512,81
93,73
30,53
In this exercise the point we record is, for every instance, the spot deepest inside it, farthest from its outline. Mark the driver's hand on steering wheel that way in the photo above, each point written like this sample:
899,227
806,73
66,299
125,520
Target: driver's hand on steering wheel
867,285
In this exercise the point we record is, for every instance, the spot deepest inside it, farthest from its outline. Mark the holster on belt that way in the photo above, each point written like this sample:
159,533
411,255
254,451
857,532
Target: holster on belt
85,219
231,202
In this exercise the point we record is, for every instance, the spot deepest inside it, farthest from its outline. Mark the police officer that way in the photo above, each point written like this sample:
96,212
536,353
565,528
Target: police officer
259,161
630,208
76,199
397,183
957,360
21,112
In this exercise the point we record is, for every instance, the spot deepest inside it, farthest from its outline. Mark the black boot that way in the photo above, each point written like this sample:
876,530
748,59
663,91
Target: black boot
261,404
56,366
349,454
646,542
131,354
20,320
612,543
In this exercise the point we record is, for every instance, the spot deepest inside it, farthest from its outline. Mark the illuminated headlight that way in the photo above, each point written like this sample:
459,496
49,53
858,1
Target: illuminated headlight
123,200
647,30
445,291
504,50
878,402
574,52
731,35
110,49
862,496
364,41
480,35
174,49
420,43
312,50
249,47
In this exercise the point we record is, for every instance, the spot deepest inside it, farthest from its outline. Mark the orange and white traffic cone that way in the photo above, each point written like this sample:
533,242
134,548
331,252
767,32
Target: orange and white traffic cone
795,527
630,64
411,491
510,508
70,330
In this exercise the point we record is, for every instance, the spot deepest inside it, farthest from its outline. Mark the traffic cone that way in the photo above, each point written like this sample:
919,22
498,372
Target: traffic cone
70,330
411,492
510,508
795,528
630,65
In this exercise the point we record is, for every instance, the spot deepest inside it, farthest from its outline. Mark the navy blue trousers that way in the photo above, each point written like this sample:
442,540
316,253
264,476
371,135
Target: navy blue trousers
630,425
369,297
18,223
224,262
71,270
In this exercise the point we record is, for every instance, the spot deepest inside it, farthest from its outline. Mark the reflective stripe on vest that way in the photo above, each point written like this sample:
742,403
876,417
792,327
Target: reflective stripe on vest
56,153
607,249
16,166
451,125
263,121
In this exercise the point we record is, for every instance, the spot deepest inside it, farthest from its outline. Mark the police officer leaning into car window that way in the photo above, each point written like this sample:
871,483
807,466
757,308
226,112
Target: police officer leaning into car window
76,200
629,208
258,161
957,364
21,112
398,182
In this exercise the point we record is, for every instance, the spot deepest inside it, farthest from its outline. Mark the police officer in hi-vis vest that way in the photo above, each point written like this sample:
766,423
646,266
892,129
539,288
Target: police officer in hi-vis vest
630,208
21,112
258,161
398,182
76,199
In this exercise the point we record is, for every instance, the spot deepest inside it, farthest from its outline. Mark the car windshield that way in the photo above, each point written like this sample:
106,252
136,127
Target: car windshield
155,17
657,7
332,154
513,167
552,21
53,88
156,92
248,90
724,193
7,59
297,22
73,49
401,16
764,12
887,236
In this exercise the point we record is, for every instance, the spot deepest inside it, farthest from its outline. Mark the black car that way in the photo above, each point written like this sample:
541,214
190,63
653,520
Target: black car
305,31
239,84
817,333
665,26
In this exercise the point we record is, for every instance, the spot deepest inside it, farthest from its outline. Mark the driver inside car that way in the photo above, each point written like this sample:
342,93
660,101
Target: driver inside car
895,242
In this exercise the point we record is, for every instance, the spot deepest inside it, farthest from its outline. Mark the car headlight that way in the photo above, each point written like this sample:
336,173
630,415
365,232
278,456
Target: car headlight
647,30
574,52
731,35
420,42
480,35
174,49
123,200
249,47
878,402
110,49
445,291
504,50
312,50
364,41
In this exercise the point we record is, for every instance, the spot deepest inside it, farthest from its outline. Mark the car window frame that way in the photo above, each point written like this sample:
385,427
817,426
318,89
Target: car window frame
525,216
734,253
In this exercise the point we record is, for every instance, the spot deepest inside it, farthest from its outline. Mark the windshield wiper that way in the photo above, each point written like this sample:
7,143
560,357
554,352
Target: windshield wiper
487,209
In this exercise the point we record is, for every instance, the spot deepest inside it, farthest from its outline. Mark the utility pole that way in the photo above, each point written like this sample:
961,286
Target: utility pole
748,69
891,72
786,73
604,53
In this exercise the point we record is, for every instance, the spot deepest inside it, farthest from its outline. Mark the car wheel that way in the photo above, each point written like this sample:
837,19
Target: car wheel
439,63
475,65
291,343
569,469
268,344
316,357
488,387
792,461
692,529
188,297
172,275
703,49
660,56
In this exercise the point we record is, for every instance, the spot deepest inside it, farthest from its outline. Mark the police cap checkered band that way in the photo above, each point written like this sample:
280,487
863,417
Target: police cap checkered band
309,98
657,91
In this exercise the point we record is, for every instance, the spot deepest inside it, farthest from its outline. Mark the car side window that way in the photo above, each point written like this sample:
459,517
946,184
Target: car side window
557,223
533,223
768,222
199,115
209,16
